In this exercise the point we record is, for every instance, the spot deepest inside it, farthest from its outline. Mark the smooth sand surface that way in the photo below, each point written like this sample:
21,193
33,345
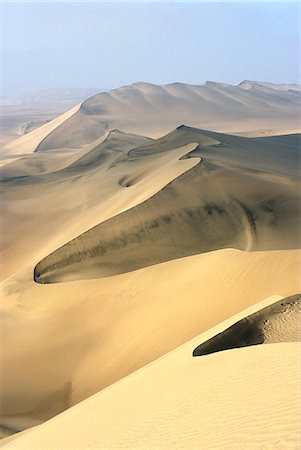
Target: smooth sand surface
124,236
185,402
82,336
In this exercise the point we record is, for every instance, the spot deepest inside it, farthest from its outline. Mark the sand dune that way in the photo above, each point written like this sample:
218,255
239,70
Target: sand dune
94,155
90,191
30,142
141,234
153,110
207,208
24,113
185,402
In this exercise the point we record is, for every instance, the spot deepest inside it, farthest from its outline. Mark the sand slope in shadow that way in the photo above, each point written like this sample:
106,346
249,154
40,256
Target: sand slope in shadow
213,205
279,322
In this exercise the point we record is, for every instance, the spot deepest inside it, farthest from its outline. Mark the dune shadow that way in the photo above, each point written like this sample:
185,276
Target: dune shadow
264,326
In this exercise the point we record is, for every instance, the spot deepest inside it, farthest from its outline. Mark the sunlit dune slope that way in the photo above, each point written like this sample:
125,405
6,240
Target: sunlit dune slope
84,335
30,142
231,400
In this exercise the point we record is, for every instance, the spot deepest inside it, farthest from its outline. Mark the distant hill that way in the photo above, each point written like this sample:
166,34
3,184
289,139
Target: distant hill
154,110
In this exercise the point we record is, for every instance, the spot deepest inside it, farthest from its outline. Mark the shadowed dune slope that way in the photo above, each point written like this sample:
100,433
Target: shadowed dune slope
211,206
279,322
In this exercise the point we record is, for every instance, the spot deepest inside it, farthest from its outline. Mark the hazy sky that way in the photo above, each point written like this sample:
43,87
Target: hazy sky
106,45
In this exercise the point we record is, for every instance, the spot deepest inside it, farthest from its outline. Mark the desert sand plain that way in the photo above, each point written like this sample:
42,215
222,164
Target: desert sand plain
150,264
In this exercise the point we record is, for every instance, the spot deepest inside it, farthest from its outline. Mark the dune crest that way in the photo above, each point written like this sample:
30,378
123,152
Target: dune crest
226,200
175,390
31,141
279,322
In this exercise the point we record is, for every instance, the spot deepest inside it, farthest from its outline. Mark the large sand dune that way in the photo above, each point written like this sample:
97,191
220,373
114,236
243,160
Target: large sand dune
207,208
153,110
125,235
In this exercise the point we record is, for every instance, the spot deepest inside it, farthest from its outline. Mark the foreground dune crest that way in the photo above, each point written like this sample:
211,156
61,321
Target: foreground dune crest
279,322
184,403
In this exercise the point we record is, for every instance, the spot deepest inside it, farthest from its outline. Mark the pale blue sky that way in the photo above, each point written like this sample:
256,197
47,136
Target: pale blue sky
106,45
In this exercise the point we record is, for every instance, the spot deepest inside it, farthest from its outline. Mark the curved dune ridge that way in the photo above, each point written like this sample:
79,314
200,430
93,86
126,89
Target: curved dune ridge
91,184
187,403
114,144
279,322
214,205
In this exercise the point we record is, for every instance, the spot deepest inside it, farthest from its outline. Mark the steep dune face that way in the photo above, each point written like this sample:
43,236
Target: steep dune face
90,190
279,322
30,142
208,208
153,110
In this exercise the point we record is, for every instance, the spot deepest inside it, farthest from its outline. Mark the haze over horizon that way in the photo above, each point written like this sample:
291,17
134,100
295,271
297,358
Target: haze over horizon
107,45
